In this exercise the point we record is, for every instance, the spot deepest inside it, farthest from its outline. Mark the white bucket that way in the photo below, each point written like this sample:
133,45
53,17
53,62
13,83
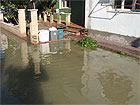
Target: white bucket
43,35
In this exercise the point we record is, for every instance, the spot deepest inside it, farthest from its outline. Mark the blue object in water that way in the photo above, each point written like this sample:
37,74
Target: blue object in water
60,32
1,54
57,10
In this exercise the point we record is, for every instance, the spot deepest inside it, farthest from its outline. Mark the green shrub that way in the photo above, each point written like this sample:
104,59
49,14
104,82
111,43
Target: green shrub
89,43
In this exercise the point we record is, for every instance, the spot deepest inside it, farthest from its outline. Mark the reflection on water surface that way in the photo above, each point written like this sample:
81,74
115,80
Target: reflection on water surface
62,73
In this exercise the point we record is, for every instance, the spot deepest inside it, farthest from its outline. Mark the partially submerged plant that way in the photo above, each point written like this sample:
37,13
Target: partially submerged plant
72,39
122,53
89,43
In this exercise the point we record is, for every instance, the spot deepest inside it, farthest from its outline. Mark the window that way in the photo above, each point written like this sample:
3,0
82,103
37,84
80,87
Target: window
122,4
104,1
138,4
65,3
117,3
128,4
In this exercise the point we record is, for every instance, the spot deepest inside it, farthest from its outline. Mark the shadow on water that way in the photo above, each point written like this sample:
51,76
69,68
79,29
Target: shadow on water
115,87
22,86
136,43
21,74
21,83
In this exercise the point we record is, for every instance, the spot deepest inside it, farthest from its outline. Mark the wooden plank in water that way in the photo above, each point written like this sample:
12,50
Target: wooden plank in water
76,26
74,31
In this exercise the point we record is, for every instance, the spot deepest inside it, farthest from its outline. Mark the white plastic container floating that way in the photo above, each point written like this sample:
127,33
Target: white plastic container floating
53,33
44,48
43,35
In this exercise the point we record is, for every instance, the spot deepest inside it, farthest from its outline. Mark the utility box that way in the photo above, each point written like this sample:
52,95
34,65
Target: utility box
53,33
60,32
57,10
43,35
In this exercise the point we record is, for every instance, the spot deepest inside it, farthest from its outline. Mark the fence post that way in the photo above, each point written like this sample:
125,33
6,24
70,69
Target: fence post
51,18
58,18
68,19
34,27
45,17
22,22
1,16
39,16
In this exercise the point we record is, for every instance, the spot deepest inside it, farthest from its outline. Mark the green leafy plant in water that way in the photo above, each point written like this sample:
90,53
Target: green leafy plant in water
72,39
122,53
89,43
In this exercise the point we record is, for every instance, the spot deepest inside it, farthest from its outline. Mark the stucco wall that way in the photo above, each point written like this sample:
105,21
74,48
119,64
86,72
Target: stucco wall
97,17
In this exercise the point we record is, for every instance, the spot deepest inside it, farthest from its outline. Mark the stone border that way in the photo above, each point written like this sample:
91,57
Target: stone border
11,28
110,45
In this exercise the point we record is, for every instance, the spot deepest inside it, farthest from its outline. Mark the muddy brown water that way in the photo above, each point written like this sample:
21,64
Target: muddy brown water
64,73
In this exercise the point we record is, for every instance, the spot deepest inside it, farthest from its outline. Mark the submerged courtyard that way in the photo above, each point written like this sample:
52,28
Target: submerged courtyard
62,52
64,73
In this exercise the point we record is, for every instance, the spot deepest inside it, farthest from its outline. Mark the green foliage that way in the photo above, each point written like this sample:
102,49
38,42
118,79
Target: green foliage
122,53
89,43
11,7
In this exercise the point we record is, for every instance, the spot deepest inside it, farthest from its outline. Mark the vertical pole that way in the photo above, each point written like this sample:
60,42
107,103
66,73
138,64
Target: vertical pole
58,18
39,16
60,4
22,22
68,19
34,27
51,18
122,5
1,16
45,17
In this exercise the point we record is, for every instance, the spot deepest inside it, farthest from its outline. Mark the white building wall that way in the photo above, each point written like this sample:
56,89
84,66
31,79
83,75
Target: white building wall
101,19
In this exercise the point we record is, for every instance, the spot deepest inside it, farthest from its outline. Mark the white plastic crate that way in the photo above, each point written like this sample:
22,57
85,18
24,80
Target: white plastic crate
43,35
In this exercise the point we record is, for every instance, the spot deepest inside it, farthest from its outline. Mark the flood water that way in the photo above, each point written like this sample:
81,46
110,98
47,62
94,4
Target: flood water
64,73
